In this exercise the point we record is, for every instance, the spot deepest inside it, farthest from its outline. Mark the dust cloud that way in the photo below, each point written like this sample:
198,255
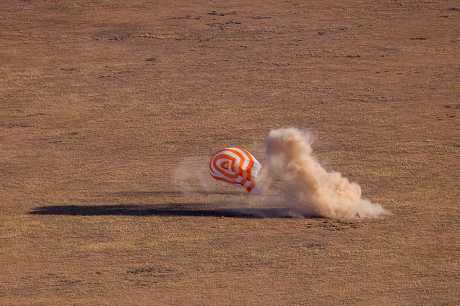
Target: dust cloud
307,189
291,180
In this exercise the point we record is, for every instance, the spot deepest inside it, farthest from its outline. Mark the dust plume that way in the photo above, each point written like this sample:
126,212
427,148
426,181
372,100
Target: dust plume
292,183
191,175
291,171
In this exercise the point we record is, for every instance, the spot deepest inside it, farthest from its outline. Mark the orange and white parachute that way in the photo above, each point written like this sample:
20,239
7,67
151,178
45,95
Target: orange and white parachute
235,166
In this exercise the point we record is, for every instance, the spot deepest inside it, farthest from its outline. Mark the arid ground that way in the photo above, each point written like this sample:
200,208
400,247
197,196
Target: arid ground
101,100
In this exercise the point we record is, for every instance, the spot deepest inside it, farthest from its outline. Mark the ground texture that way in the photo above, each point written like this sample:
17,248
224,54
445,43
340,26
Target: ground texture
100,100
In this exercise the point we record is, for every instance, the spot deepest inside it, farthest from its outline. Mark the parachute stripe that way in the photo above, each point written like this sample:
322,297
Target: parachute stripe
234,165
251,163
247,157
242,158
216,167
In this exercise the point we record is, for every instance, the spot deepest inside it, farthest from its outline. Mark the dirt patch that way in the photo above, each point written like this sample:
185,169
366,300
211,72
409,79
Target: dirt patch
100,100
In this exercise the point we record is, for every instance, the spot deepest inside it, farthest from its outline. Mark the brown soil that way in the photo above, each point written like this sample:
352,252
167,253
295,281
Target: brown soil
99,100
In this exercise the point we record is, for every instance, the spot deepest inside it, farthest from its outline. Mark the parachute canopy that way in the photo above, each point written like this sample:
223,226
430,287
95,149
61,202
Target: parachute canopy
235,166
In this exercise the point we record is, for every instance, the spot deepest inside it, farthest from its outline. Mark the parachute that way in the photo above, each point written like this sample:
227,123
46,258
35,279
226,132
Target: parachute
235,166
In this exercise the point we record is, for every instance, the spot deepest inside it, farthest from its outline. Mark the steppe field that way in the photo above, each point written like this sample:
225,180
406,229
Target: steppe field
102,102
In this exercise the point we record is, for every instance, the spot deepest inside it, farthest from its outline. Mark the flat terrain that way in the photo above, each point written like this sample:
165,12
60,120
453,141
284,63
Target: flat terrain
101,100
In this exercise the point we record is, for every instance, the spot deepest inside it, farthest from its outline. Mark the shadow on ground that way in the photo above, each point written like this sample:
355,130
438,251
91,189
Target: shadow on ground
182,209
172,193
